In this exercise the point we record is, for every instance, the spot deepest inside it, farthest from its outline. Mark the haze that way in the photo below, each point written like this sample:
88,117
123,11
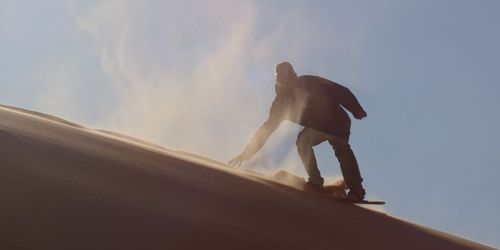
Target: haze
198,76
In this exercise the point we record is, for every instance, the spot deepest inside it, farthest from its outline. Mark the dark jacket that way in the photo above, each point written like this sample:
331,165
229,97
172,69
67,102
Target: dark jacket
312,102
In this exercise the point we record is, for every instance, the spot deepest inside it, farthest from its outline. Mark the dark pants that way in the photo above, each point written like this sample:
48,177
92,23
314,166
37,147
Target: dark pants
308,138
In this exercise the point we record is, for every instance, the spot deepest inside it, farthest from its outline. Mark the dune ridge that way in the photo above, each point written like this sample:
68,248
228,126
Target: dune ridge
65,186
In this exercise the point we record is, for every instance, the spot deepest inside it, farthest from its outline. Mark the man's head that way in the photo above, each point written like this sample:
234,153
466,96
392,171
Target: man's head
285,73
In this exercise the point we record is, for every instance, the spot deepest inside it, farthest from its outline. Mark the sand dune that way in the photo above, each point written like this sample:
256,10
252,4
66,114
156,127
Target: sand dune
64,186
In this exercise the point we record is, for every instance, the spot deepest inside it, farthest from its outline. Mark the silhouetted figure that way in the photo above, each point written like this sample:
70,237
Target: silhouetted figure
317,104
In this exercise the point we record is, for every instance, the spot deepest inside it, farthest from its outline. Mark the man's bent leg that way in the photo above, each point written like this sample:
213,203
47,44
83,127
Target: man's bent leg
348,163
306,139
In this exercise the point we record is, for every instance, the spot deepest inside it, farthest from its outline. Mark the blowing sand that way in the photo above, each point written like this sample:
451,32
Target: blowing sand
64,186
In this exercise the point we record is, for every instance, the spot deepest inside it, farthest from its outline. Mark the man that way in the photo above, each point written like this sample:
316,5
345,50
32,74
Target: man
317,104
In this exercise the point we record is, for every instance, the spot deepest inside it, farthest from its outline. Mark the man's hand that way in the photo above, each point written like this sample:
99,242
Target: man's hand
236,161
360,115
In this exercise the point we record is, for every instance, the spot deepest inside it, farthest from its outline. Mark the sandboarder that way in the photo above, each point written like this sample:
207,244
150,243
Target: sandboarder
317,104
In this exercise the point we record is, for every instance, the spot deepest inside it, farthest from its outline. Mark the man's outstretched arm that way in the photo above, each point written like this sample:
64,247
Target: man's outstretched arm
350,102
260,137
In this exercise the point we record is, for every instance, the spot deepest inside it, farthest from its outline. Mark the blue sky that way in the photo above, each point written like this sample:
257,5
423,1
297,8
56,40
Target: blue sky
198,76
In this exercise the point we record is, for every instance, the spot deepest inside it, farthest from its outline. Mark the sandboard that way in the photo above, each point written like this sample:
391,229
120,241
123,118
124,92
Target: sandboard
367,202
335,191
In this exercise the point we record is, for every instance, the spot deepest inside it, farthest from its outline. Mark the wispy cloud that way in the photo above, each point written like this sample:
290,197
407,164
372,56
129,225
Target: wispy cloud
192,91
191,75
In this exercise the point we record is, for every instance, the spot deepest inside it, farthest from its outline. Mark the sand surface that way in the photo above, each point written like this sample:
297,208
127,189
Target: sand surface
64,186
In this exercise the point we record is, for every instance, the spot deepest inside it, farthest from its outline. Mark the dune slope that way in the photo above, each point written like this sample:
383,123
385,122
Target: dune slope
64,186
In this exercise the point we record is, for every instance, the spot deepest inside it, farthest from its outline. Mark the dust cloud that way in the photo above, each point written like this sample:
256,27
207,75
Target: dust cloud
188,75
182,71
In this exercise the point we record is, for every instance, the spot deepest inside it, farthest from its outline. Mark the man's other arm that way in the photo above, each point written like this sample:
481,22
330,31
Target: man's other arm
260,137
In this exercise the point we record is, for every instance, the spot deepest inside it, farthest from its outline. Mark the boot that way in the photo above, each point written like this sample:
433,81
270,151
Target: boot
356,194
